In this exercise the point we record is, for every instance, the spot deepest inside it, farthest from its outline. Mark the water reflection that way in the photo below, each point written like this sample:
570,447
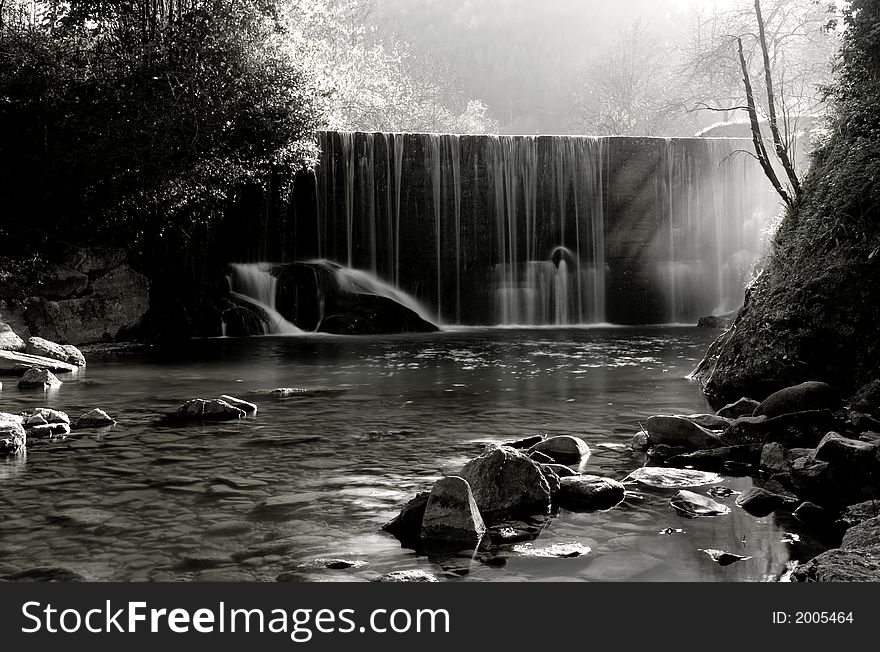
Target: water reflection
381,419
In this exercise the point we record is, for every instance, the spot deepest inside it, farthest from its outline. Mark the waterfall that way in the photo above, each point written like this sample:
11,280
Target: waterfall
546,230
254,284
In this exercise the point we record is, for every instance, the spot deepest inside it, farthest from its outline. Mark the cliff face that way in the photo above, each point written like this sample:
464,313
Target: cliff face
814,314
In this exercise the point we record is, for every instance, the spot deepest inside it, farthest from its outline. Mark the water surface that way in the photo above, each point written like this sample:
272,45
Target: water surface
383,418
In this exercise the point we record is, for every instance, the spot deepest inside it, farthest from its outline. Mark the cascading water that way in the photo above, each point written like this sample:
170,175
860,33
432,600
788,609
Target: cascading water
254,284
546,230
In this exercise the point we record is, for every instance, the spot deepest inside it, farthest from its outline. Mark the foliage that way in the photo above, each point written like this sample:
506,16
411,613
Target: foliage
136,115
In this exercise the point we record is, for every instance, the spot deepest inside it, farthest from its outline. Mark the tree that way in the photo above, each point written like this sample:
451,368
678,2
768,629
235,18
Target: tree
629,90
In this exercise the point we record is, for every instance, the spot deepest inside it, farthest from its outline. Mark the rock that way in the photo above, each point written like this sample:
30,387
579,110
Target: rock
48,430
38,379
774,458
795,429
591,492
407,525
13,438
323,296
679,431
555,551
662,452
655,476
286,392
505,482
640,441
708,421
863,421
563,449
723,558
46,415
870,437
199,409
560,470
857,559
18,363
745,457
551,477
46,349
451,515
692,504
96,418
859,513
407,576
9,341
250,409
811,395
117,302
866,399
760,502
743,407
540,458
841,450
664,478
714,321
812,515
525,442
809,477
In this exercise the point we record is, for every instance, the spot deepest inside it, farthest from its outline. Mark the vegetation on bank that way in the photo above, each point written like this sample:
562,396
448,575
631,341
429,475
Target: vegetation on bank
813,313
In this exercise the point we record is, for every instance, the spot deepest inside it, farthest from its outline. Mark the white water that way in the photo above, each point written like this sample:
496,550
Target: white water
253,283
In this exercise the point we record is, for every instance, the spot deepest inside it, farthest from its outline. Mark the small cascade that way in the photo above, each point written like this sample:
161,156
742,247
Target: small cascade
652,229
254,284
357,281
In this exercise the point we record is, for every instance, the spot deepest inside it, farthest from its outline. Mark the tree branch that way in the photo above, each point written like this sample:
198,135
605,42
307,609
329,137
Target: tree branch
781,149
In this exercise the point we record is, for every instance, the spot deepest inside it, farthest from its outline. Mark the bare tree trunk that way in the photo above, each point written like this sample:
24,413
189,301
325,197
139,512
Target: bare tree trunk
781,147
760,150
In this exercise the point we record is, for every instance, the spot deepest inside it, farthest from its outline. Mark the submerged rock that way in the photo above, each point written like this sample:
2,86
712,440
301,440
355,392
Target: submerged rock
563,449
692,504
679,431
39,379
407,576
209,410
664,478
723,558
407,526
250,409
744,407
719,458
506,482
811,395
451,515
591,492
555,551
96,418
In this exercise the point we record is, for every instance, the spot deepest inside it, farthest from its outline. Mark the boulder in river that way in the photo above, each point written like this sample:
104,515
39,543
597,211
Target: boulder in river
679,431
43,415
9,341
811,395
96,418
451,515
38,379
407,525
12,436
693,504
18,363
744,407
505,482
563,449
757,501
65,353
199,409
590,492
